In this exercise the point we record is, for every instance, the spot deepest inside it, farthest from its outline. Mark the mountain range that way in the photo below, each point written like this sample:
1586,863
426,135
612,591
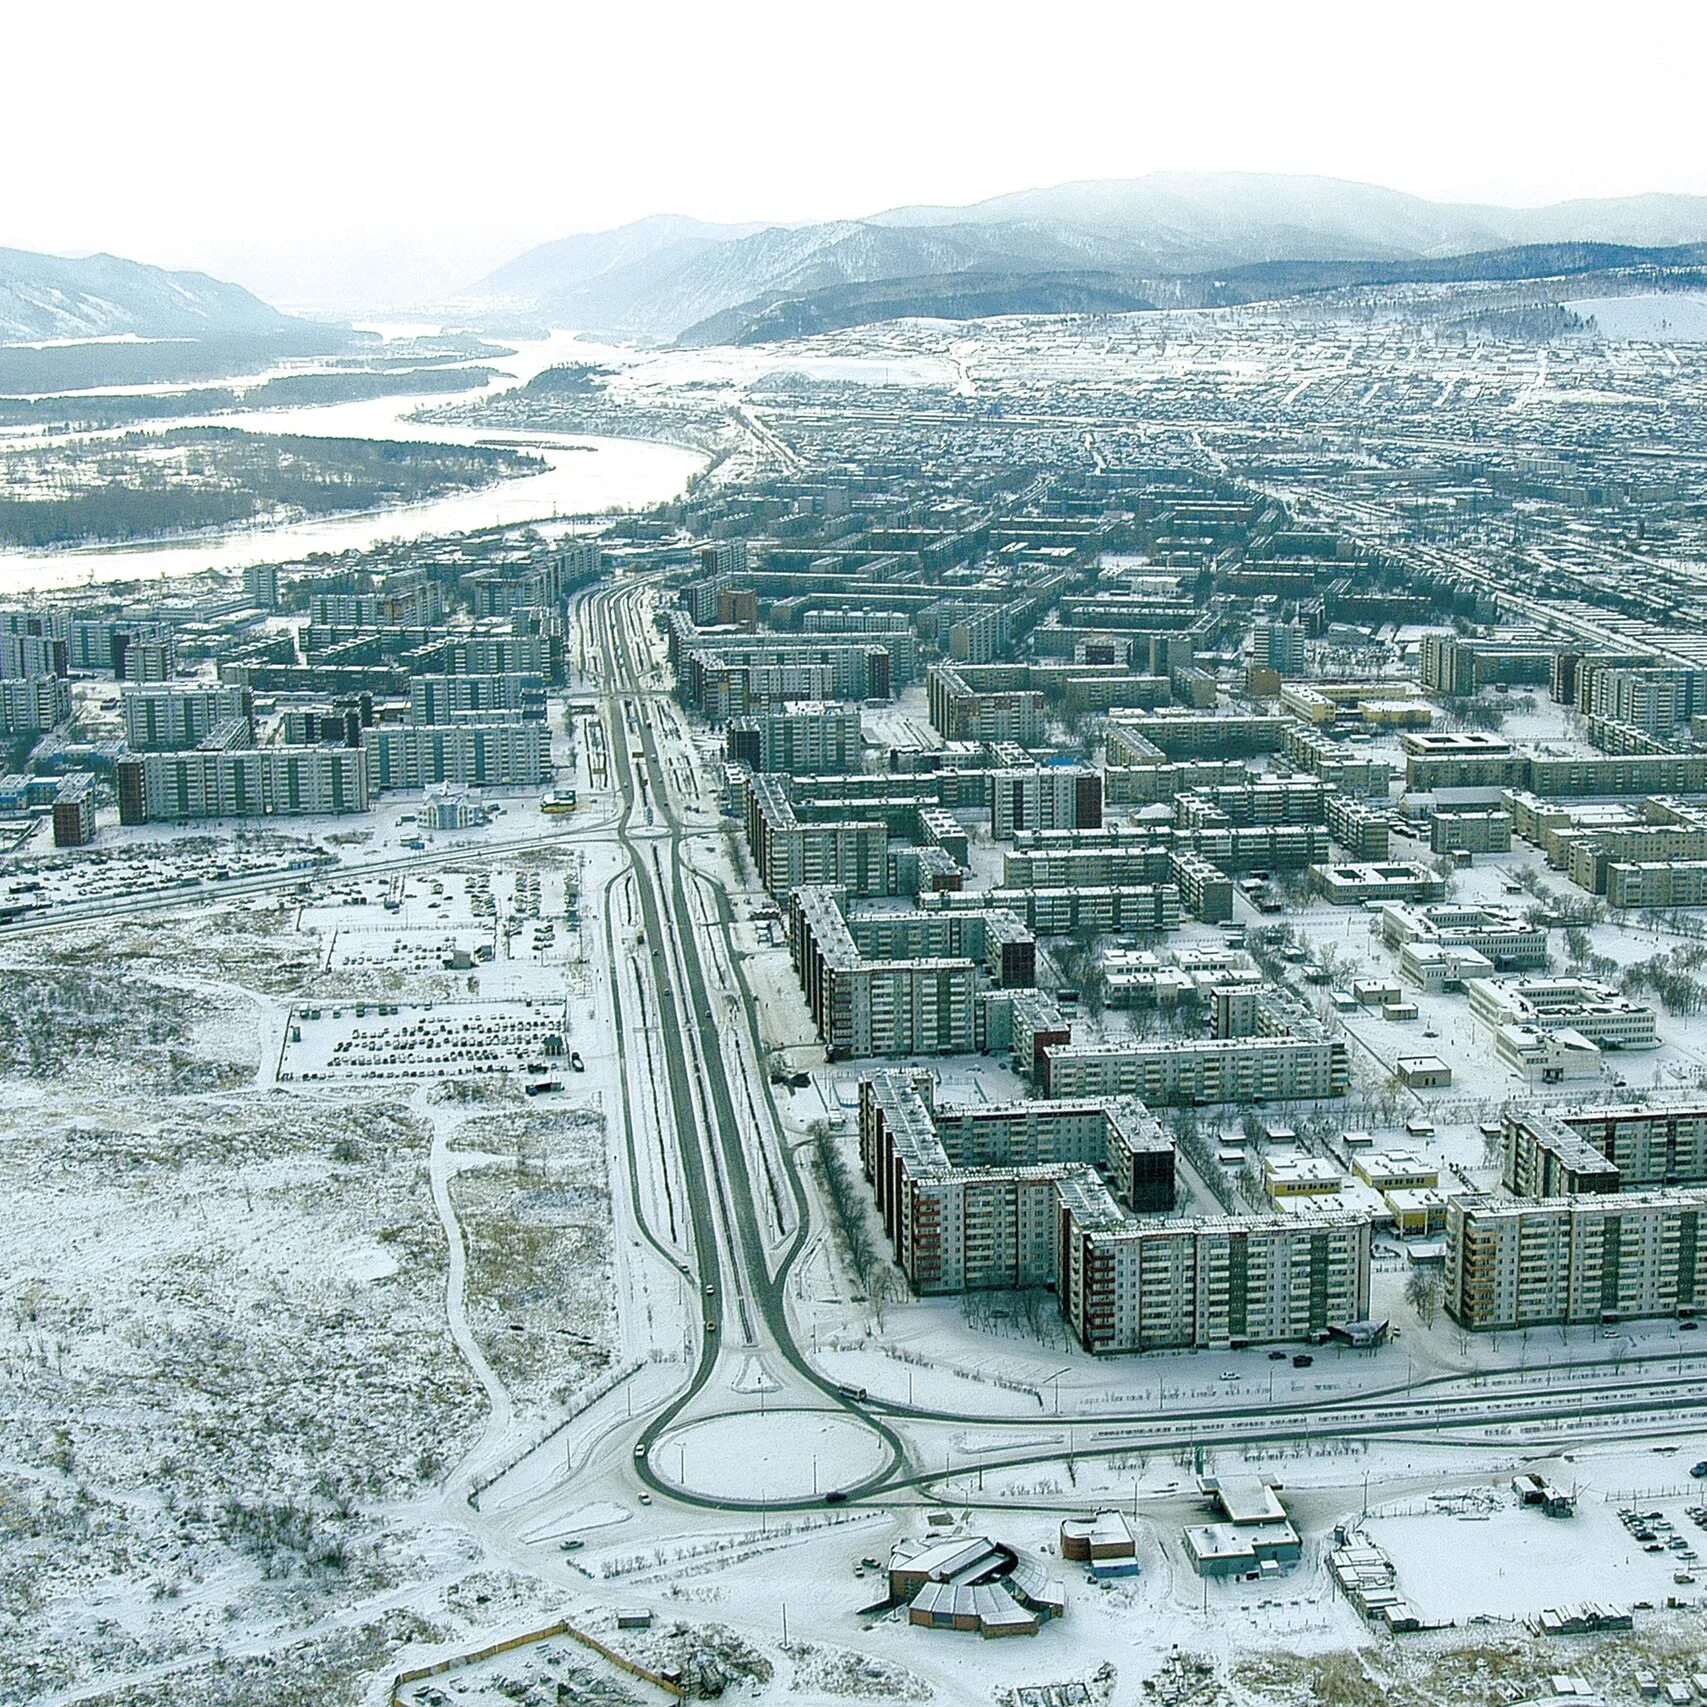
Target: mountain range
44,297
670,277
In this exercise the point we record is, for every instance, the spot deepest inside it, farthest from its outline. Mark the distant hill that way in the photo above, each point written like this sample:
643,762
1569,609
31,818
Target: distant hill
969,296
102,296
940,296
658,278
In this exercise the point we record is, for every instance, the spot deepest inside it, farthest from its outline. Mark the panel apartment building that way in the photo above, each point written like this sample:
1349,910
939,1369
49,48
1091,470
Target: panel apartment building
1592,1257
1261,1052
1222,1281
849,853
968,1194
902,983
174,716
1554,1153
243,782
806,738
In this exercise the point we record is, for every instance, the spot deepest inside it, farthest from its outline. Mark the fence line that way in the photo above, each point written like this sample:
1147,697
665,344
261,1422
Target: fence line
562,1627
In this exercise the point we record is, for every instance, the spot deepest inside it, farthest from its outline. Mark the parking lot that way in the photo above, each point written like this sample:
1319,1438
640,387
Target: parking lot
425,1040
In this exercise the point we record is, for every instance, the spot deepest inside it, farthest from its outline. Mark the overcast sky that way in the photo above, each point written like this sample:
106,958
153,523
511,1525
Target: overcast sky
317,150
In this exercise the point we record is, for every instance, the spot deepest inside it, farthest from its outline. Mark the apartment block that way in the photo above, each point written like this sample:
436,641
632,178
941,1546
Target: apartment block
489,755
1592,1258
1557,1152
902,983
506,698
849,853
969,1195
1363,828
173,716
807,738
960,713
1044,797
1131,1286
1283,1067
242,782
30,705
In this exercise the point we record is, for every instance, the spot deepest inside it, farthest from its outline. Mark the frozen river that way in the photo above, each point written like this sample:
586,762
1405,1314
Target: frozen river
584,475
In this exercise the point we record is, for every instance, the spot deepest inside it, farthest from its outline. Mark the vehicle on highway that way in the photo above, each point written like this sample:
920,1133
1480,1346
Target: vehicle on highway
835,1497
640,1452
1698,1470
1229,1375
1302,1360
710,1325
1277,1357
848,1390
576,1064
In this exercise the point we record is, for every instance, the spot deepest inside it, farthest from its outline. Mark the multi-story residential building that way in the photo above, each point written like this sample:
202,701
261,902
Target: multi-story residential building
1044,797
1595,1257
240,782
807,738
465,698
173,716
1205,890
1278,646
848,853
902,983
1338,766
1557,1152
1457,664
968,1196
1135,1286
1295,1066
74,812
26,652
1656,883
961,713
1262,800
30,705
489,755
1180,733
1551,777
1363,828
1061,911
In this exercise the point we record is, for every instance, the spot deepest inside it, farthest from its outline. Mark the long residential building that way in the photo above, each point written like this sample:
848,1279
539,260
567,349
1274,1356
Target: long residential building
968,1195
510,697
488,755
174,716
1286,1066
1225,1281
849,853
902,983
1593,1257
243,782
1631,1147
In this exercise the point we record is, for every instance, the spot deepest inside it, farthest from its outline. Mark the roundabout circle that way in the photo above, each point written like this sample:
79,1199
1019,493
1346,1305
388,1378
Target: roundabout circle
760,1457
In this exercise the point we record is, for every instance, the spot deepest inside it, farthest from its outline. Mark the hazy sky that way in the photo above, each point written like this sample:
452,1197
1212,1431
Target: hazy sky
313,150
